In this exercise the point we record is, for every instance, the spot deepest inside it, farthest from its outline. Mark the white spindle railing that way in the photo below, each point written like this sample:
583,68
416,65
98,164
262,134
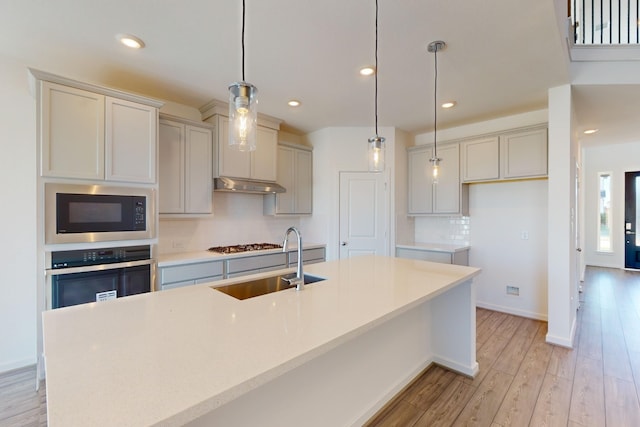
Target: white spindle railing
606,22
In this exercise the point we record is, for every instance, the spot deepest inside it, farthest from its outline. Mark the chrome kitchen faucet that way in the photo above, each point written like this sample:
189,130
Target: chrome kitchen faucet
299,280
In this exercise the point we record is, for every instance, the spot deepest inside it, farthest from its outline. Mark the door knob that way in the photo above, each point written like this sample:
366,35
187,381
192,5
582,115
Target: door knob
344,243
579,249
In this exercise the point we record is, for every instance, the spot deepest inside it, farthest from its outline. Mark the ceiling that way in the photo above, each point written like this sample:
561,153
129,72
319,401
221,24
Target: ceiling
501,55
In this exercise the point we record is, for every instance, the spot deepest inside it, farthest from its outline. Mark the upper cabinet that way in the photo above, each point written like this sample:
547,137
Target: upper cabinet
72,132
295,173
130,141
260,164
185,167
88,132
523,154
445,196
480,159
517,154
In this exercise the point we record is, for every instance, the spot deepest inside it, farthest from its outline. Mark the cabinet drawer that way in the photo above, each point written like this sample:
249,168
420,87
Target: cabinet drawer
308,255
177,285
255,263
442,257
181,273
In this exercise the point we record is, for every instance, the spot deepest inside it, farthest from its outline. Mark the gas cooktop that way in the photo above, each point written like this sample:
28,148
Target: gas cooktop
244,248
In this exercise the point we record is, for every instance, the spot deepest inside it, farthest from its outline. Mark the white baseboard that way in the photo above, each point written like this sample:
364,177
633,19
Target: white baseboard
16,364
514,311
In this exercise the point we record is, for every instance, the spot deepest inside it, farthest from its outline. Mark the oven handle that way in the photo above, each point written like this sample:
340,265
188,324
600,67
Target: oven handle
99,267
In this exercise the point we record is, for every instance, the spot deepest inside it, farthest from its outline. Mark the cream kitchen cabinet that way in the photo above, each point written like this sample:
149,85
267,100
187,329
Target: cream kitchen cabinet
442,253
86,134
185,167
429,198
508,155
523,154
177,276
295,173
260,164
480,159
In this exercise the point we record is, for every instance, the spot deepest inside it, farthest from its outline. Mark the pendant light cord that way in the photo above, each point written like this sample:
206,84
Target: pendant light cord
376,71
243,8
435,104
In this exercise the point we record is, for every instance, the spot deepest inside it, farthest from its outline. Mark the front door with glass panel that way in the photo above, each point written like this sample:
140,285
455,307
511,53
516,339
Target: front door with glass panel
631,225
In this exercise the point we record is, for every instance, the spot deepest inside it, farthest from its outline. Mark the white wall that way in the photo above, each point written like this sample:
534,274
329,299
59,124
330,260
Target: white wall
17,218
562,258
617,159
499,215
338,149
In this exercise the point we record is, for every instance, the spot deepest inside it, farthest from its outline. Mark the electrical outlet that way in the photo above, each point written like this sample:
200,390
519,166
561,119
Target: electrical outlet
178,244
513,290
524,235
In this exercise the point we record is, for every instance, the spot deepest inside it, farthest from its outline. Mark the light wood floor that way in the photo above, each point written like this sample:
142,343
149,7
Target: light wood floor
522,380
20,404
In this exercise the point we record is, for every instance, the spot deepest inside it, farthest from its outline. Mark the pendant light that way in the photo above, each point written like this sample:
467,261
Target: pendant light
376,143
243,108
434,47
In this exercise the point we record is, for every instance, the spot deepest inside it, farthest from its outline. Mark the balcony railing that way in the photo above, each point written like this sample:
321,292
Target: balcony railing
605,22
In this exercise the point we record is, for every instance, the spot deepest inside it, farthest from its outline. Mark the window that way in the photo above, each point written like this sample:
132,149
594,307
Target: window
604,212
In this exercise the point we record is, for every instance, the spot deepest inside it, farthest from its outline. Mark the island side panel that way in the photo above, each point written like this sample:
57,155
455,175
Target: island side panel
453,329
345,386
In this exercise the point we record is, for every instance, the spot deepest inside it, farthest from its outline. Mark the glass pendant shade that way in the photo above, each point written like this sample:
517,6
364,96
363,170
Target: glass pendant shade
435,172
376,154
243,116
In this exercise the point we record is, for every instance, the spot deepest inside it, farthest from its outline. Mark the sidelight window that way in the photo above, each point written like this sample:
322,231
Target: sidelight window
604,212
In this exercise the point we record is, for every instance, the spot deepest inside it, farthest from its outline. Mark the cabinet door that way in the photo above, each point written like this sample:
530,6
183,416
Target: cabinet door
198,170
480,159
171,142
72,132
130,141
303,183
446,193
420,182
232,163
285,202
264,162
524,154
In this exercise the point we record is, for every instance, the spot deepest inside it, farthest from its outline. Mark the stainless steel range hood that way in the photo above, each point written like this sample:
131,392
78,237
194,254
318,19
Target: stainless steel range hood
246,186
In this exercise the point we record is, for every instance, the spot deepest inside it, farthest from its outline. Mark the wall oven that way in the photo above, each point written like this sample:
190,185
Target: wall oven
96,213
94,275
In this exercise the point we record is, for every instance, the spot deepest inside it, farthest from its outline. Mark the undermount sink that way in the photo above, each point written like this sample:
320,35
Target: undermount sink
257,287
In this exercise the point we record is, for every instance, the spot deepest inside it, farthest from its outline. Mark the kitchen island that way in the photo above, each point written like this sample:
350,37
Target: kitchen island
332,354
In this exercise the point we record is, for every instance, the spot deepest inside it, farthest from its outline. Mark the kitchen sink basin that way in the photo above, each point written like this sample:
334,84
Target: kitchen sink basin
257,287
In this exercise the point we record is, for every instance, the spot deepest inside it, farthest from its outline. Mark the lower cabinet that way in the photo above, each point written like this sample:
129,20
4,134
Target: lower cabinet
446,257
255,264
177,276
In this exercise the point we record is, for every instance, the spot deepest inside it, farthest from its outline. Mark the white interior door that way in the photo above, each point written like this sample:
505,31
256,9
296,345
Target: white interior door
363,214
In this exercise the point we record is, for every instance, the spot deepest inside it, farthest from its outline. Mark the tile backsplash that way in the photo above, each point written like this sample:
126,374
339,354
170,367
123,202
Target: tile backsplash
236,219
442,229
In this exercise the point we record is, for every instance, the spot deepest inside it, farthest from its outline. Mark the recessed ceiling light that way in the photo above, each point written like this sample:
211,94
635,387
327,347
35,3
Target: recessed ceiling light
590,131
367,71
130,41
294,103
449,104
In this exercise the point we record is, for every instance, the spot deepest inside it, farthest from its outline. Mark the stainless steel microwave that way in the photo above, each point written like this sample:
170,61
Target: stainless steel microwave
96,213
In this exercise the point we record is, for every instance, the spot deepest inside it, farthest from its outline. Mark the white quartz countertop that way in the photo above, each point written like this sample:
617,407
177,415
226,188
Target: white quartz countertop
182,258
436,247
168,357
